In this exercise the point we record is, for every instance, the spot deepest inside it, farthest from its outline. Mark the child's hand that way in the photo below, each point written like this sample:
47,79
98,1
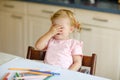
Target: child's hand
56,29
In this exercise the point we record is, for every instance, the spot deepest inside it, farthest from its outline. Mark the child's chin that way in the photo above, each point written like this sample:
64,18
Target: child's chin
57,38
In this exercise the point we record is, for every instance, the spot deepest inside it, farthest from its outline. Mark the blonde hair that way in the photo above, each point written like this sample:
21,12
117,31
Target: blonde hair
66,13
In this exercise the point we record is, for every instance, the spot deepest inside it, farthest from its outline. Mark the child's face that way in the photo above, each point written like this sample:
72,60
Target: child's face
66,28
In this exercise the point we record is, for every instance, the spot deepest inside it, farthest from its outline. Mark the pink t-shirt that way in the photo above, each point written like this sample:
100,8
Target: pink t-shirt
59,52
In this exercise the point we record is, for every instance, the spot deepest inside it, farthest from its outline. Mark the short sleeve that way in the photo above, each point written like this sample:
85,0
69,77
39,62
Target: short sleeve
49,42
77,48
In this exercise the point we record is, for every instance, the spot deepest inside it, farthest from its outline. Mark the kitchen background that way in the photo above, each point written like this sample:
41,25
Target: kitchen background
23,22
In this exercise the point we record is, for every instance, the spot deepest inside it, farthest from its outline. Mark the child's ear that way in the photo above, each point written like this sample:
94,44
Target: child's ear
72,29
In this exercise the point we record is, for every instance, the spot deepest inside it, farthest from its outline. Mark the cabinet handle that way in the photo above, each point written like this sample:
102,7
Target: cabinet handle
8,6
46,11
98,19
86,29
16,17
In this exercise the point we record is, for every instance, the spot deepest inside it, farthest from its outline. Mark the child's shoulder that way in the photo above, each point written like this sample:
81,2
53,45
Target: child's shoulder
76,42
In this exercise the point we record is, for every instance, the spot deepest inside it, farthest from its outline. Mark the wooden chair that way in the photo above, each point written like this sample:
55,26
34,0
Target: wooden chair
87,61
35,54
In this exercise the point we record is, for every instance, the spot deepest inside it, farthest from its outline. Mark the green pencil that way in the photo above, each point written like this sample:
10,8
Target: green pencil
47,78
17,75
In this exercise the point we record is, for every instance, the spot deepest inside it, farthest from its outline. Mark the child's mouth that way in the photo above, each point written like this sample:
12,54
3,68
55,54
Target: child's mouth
58,33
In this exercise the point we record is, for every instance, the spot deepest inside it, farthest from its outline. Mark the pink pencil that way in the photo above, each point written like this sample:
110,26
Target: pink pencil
31,77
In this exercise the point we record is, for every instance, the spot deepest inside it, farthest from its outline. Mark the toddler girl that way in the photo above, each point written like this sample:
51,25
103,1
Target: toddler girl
60,49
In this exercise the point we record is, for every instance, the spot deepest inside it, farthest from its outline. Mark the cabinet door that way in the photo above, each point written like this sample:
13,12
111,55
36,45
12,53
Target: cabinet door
12,33
37,27
1,24
105,43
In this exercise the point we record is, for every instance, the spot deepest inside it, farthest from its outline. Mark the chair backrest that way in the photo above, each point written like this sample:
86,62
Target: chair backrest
88,61
35,54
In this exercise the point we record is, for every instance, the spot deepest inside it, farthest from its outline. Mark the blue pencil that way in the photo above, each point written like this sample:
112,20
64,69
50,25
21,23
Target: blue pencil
47,72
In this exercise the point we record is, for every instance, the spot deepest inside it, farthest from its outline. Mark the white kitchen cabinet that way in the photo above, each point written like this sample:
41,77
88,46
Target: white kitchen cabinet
13,6
37,27
12,29
0,5
1,24
12,34
101,36
101,19
105,43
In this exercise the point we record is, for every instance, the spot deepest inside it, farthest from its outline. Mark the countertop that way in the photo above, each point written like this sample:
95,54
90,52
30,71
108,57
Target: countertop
98,6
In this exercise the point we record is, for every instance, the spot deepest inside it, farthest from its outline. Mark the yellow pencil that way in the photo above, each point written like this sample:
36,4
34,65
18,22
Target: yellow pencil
24,69
30,72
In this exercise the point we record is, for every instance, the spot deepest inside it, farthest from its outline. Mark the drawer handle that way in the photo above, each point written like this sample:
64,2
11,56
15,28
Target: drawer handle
8,6
46,11
98,19
86,29
16,17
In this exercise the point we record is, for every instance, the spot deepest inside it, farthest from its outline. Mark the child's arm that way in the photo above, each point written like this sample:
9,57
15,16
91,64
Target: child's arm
77,61
43,41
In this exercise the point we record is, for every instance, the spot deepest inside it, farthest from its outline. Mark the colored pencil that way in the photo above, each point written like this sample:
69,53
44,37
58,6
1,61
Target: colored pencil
17,75
47,78
47,72
30,77
6,76
24,69
37,73
35,70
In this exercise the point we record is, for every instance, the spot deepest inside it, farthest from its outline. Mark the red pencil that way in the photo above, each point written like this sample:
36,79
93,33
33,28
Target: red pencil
6,76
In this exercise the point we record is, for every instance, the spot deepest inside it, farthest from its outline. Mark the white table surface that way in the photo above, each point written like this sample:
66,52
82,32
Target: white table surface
5,57
10,61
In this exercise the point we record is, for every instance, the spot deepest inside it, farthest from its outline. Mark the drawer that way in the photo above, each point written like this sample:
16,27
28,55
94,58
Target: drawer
99,19
43,10
14,6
